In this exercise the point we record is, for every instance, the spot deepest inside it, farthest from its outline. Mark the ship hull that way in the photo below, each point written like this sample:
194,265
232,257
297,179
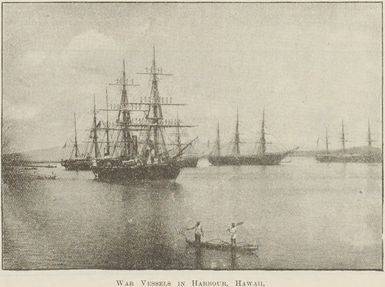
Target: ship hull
371,158
78,164
188,162
266,159
126,174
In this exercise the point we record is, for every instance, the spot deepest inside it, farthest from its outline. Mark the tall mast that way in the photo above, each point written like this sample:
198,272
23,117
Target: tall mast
262,140
123,98
343,140
126,115
327,141
124,119
155,114
178,140
218,142
108,126
95,135
155,123
369,135
155,99
76,139
236,150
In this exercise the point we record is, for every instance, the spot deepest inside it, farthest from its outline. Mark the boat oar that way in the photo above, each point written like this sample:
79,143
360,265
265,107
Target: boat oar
237,224
182,231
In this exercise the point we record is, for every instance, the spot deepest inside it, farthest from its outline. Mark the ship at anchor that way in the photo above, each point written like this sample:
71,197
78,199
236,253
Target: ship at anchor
369,154
139,150
261,157
185,160
83,161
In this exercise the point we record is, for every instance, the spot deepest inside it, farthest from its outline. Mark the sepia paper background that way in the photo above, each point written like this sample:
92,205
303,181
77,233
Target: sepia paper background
270,278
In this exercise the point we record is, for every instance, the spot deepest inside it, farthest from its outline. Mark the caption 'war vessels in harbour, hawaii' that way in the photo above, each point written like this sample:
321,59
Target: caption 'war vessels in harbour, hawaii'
260,158
139,149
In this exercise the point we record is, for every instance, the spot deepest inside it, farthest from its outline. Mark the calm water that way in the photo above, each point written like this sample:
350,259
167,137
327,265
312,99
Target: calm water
302,214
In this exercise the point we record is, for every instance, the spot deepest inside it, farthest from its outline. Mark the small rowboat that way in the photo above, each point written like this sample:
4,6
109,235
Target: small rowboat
224,246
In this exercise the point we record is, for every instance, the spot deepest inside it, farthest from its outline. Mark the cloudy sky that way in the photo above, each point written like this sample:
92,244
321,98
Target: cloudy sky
309,65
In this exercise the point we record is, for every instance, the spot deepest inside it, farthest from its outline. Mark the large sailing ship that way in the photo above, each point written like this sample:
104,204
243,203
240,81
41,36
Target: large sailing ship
139,149
235,158
367,155
82,161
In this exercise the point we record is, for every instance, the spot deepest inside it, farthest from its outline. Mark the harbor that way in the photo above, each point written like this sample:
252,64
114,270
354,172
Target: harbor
131,189
170,136
115,226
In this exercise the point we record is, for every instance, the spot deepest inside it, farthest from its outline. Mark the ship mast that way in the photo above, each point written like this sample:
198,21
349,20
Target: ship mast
262,140
178,140
155,124
156,108
218,142
155,115
107,130
125,113
95,135
76,147
343,140
369,135
236,150
124,119
327,141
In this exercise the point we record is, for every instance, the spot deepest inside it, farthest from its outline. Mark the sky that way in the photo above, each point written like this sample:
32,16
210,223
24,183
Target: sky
310,66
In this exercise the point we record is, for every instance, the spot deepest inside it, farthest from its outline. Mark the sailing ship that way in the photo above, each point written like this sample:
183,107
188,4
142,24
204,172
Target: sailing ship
370,155
185,160
139,150
80,161
260,158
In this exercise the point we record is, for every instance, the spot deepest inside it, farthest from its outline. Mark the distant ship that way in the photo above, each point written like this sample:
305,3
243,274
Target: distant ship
139,150
79,161
260,158
367,155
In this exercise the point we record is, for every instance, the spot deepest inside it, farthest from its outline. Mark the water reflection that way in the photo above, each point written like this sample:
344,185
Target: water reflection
77,222
198,262
234,259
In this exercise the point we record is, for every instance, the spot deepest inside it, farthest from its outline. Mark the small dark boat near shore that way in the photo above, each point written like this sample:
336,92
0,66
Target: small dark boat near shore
224,246
46,177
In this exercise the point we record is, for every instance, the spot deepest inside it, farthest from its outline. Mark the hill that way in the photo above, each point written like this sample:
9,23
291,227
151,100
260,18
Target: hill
54,154
352,150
